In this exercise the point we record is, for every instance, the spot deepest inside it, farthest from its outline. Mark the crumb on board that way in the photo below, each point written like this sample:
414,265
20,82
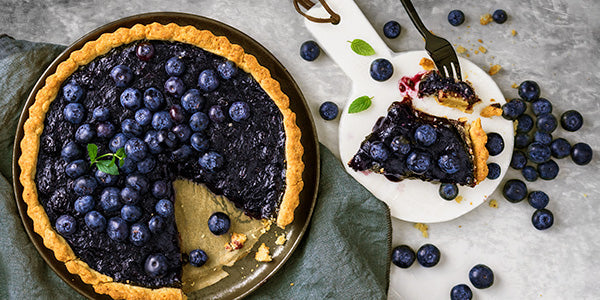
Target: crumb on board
458,199
476,51
459,226
482,49
280,239
461,49
266,225
485,19
513,32
479,40
237,241
491,110
494,203
262,254
514,85
423,228
427,64
585,195
494,69
291,284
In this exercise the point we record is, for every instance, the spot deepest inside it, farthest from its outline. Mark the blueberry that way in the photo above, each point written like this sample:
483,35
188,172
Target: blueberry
219,223
162,121
144,51
309,50
538,199
147,165
85,134
117,142
494,171
176,113
542,138
131,99
428,255
156,224
129,166
66,225
529,173
139,234
181,153
152,141
156,265
378,151
461,292
541,106
481,276
84,204
117,229
109,199
130,213
72,92
183,132
121,75
101,113
76,168
175,66
208,80
449,163
542,219
164,208
199,121
391,29
129,195
105,179
400,144
418,162
70,151
524,123
548,170
199,142
522,140
426,135
215,113
239,111
560,148
456,17
499,16
518,160
137,182
143,116
211,161
538,153
192,101
581,154
495,143
84,185
175,86
135,149
514,190
227,69
328,110
74,113
167,139
105,130
571,120
529,90
381,69
153,99
546,123
448,191
160,189
131,128
95,221
403,256
198,257
514,108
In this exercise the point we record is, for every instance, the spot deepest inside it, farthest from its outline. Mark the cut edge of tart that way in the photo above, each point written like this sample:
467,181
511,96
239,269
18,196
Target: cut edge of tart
33,127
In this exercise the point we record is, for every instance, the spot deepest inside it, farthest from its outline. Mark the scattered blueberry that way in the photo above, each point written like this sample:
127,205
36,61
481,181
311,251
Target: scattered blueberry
199,121
131,98
524,123
72,92
522,140
66,225
164,208
84,185
309,50
403,256
208,80
160,189
494,171
109,199
571,120
538,199
481,276
162,121
211,161
449,163
542,138
156,265
518,161
153,99
448,191
143,116
428,255
192,101
239,111
198,258
495,143
560,148
70,151
456,17
328,110
529,173
131,128
95,221
121,75
139,234
426,135
499,16
135,149
105,130
219,223
76,168
74,113
129,195
548,170
130,213
538,152
175,86
175,66
227,69
199,142
379,151
381,69
514,190
144,51
391,29
513,109
156,224
542,219
418,162
215,113
461,292
105,179
581,154
546,123
117,142
529,90
117,229
541,106
101,113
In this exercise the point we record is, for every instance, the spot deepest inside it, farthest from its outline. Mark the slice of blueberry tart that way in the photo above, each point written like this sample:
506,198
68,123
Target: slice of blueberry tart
125,116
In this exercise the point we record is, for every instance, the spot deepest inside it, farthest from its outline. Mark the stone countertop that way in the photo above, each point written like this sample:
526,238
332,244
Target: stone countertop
557,44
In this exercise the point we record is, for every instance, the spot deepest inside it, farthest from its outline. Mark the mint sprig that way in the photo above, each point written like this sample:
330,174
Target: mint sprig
109,165
361,47
360,104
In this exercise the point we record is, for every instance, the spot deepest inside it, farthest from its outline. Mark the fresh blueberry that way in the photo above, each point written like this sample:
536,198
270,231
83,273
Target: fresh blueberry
147,165
524,123
529,173
546,123
95,221
156,265
541,106
542,219
227,69
391,29
175,86
156,224
481,276
131,99
135,149
548,170
84,204
117,229
571,120
164,208
239,111
70,151
84,185
518,160
538,153
121,75
461,292
309,50
129,195
529,90
198,257
131,128
400,144
211,161
139,234
162,121
456,17
199,142
560,148
428,255
130,213
153,99
74,113
137,182
426,135
105,130
101,113
129,166
143,116
378,151
183,132
167,139
192,101
542,138
160,189
522,140
76,168
117,142
199,121
418,162
499,16
72,92
513,109
495,143
208,80
66,225
219,223
176,113
154,145
381,69
581,154
109,199
538,199
85,133
494,171
448,191
403,256
449,163
181,153
105,179
514,190
215,113
328,110
175,66
144,51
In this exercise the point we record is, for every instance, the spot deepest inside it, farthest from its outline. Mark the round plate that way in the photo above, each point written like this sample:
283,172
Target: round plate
416,200
236,285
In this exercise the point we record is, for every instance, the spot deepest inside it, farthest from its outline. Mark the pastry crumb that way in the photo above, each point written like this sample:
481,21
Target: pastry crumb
427,64
459,226
291,284
491,110
479,40
266,225
262,254
461,49
494,69
237,242
458,199
514,85
476,51
513,32
482,49
485,19
423,228
281,239
494,203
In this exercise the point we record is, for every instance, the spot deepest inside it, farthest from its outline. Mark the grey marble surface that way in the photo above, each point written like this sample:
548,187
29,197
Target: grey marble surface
557,44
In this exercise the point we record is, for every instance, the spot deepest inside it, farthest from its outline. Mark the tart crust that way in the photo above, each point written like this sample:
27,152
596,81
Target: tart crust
34,126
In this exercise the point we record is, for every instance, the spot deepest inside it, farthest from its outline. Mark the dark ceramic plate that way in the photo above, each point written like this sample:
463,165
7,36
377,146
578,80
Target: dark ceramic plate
245,276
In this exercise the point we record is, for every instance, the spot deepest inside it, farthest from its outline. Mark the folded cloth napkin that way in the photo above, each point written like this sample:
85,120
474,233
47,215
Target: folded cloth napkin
344,254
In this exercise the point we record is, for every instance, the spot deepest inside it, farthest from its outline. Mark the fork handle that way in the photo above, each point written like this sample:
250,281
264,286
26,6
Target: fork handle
414,17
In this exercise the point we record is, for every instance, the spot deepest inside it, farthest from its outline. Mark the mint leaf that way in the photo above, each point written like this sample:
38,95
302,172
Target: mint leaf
108,167
361,47
359,104
120,153
121,162
92,152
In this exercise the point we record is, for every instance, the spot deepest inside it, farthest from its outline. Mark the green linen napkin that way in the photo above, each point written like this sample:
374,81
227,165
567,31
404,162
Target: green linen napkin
344,254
